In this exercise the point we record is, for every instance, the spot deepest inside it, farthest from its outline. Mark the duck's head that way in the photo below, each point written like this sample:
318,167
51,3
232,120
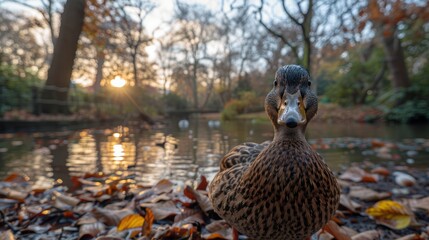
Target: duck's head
291,104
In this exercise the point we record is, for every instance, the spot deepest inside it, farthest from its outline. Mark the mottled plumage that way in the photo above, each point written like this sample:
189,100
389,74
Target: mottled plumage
281,189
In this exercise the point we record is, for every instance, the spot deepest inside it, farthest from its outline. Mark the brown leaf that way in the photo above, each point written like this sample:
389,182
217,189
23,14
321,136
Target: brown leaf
111,217
91,230
218,225
203,200
173,232
148,221
336,231
357,174
367,194
145,194
203,184
64,202
17,178
163,186
411,237
162,210
368,235
13,194
157,198
381,171
188,216
218,230
351,205
414,204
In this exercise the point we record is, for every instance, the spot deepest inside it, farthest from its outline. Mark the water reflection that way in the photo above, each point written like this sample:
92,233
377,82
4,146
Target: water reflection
178,154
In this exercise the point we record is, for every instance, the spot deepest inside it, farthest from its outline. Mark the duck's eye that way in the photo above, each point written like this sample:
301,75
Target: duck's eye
275,83
309,83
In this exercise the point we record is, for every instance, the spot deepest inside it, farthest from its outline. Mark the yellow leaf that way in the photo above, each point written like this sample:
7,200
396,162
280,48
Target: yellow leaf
130,221
391,214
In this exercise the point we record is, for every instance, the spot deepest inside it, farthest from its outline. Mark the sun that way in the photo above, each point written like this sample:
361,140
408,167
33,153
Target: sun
118,82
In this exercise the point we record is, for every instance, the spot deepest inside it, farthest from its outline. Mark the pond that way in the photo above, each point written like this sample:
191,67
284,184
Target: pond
185,154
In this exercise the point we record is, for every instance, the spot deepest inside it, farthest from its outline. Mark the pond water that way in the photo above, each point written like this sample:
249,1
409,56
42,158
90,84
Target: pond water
186,154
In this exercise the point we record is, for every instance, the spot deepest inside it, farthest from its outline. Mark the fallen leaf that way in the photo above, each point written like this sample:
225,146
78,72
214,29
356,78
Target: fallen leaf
42,184
163,186
16,177
188,216
368,235
377,144
391,214
381,171
203,200
91,230
162,210
367,194
353,174
84,208
143,195
130,221
37,228
414,204
64,202
13,194
111,217
351,205
173,233
203,184
412,237
357,174
157,198
148,221
403,179
218,230
218,225
336,231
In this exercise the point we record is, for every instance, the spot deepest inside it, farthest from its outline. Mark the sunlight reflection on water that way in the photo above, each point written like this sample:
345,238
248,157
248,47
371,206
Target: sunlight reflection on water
170,152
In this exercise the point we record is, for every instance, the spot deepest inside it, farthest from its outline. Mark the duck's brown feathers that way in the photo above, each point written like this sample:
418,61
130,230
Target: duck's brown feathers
243,153
283,190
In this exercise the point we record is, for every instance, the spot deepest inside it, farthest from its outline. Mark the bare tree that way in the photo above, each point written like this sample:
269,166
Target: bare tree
302,21
193,34
131,15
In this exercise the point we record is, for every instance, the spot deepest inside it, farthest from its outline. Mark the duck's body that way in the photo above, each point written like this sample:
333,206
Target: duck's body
277,190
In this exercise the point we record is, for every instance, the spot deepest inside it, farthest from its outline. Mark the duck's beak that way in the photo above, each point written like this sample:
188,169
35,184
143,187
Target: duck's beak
292,111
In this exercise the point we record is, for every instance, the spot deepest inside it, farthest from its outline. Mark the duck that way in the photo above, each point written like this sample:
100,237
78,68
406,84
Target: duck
280,189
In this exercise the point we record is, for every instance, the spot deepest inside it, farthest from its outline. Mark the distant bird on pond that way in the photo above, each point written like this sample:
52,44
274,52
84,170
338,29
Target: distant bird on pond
281,189
183,124
213,123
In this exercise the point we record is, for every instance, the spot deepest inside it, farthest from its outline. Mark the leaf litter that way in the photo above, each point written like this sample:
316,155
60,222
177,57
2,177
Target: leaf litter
378,201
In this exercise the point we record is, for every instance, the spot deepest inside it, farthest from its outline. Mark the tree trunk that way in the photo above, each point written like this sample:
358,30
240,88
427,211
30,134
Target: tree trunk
306,31
195,85
55,92
396,61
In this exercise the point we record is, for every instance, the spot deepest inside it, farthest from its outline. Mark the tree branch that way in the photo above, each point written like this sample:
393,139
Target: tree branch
289,14
276,34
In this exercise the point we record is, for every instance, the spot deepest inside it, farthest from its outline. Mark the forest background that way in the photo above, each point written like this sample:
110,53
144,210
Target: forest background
66,57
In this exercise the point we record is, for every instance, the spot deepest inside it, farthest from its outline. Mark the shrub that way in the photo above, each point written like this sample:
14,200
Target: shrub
407,105
244,104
